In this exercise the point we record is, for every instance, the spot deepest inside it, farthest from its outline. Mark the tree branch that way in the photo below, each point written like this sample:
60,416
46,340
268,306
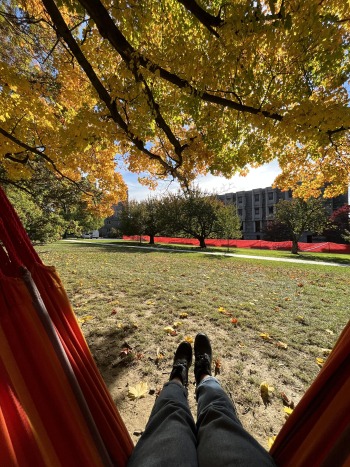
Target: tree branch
63,31
203,16
109,30
38,153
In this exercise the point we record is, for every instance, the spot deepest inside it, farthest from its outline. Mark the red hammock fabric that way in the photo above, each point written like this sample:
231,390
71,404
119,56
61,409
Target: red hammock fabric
318,431
55,409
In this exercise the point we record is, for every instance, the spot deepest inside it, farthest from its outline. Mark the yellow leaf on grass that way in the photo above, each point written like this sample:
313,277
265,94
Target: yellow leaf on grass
177,324
183,315
320,361
265,391
288,411
138,391
169,329
83,319
189,339
266,336
221,309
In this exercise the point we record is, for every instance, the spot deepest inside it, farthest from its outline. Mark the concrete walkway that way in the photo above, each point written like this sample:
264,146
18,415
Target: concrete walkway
213,253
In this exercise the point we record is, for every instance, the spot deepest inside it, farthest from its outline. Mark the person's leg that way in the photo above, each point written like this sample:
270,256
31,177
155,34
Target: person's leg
169,439
222,440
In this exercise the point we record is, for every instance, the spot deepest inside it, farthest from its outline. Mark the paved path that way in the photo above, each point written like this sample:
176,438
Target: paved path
214,253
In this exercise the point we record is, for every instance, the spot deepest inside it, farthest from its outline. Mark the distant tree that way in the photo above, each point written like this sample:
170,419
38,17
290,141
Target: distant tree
200,215
228,223
276,231
299,216
41,227
339,224
143,218
51,207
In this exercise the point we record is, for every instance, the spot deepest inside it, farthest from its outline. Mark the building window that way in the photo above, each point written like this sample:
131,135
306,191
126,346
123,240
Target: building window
257,226
240,212
257,211
270,196
256,198
240,199
270,209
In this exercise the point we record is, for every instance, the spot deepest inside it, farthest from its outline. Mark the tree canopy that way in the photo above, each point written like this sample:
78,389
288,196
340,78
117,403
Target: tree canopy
299,215
176,87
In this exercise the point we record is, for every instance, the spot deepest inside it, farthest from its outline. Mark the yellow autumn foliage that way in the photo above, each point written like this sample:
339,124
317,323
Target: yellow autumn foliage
170,91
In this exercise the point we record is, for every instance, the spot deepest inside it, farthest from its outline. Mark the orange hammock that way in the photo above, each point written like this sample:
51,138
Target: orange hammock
55,409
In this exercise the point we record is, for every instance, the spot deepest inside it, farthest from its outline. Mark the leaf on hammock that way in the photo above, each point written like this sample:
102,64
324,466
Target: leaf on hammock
138,391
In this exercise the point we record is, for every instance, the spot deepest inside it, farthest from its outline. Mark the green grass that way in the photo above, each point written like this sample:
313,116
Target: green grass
130,295
340,258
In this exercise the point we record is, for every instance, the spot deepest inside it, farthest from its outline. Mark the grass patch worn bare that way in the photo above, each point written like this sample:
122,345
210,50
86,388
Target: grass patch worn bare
268,321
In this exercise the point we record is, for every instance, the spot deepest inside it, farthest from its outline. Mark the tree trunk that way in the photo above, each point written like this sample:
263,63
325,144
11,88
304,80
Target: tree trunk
202,242
295,247
151,240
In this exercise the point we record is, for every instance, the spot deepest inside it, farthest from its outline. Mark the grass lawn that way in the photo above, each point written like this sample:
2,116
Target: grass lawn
129,296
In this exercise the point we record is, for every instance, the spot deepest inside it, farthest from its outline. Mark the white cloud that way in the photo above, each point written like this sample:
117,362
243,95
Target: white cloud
261,177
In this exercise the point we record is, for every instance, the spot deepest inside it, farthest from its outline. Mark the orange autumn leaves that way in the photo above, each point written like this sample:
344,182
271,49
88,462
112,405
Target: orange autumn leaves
223,311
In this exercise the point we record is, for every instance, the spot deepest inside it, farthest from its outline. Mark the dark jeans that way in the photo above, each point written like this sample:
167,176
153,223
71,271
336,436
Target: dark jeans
172,439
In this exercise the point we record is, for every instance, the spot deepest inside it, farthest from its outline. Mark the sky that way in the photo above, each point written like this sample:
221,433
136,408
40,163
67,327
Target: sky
257,178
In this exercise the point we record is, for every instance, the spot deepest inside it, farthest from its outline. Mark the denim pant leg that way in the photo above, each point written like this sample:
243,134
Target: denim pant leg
222,440
169,439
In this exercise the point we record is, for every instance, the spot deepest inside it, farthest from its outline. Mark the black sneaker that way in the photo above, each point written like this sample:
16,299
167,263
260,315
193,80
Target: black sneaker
203,356
182,362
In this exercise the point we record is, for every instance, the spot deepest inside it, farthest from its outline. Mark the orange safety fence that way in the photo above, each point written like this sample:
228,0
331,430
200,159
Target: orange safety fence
55,409
325,247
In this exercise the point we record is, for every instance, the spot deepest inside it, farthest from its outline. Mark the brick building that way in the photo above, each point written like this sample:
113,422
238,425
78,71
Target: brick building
256,207
113,221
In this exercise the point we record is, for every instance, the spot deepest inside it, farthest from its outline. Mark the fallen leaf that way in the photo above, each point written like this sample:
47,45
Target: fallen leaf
217,366
300,319
320,361
183,315
265,392
177,324
189,339
124,352
330,332
288,411
83,319
300,284
159,356
270,441
234,321
266,336
281,345
169,329
139,391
